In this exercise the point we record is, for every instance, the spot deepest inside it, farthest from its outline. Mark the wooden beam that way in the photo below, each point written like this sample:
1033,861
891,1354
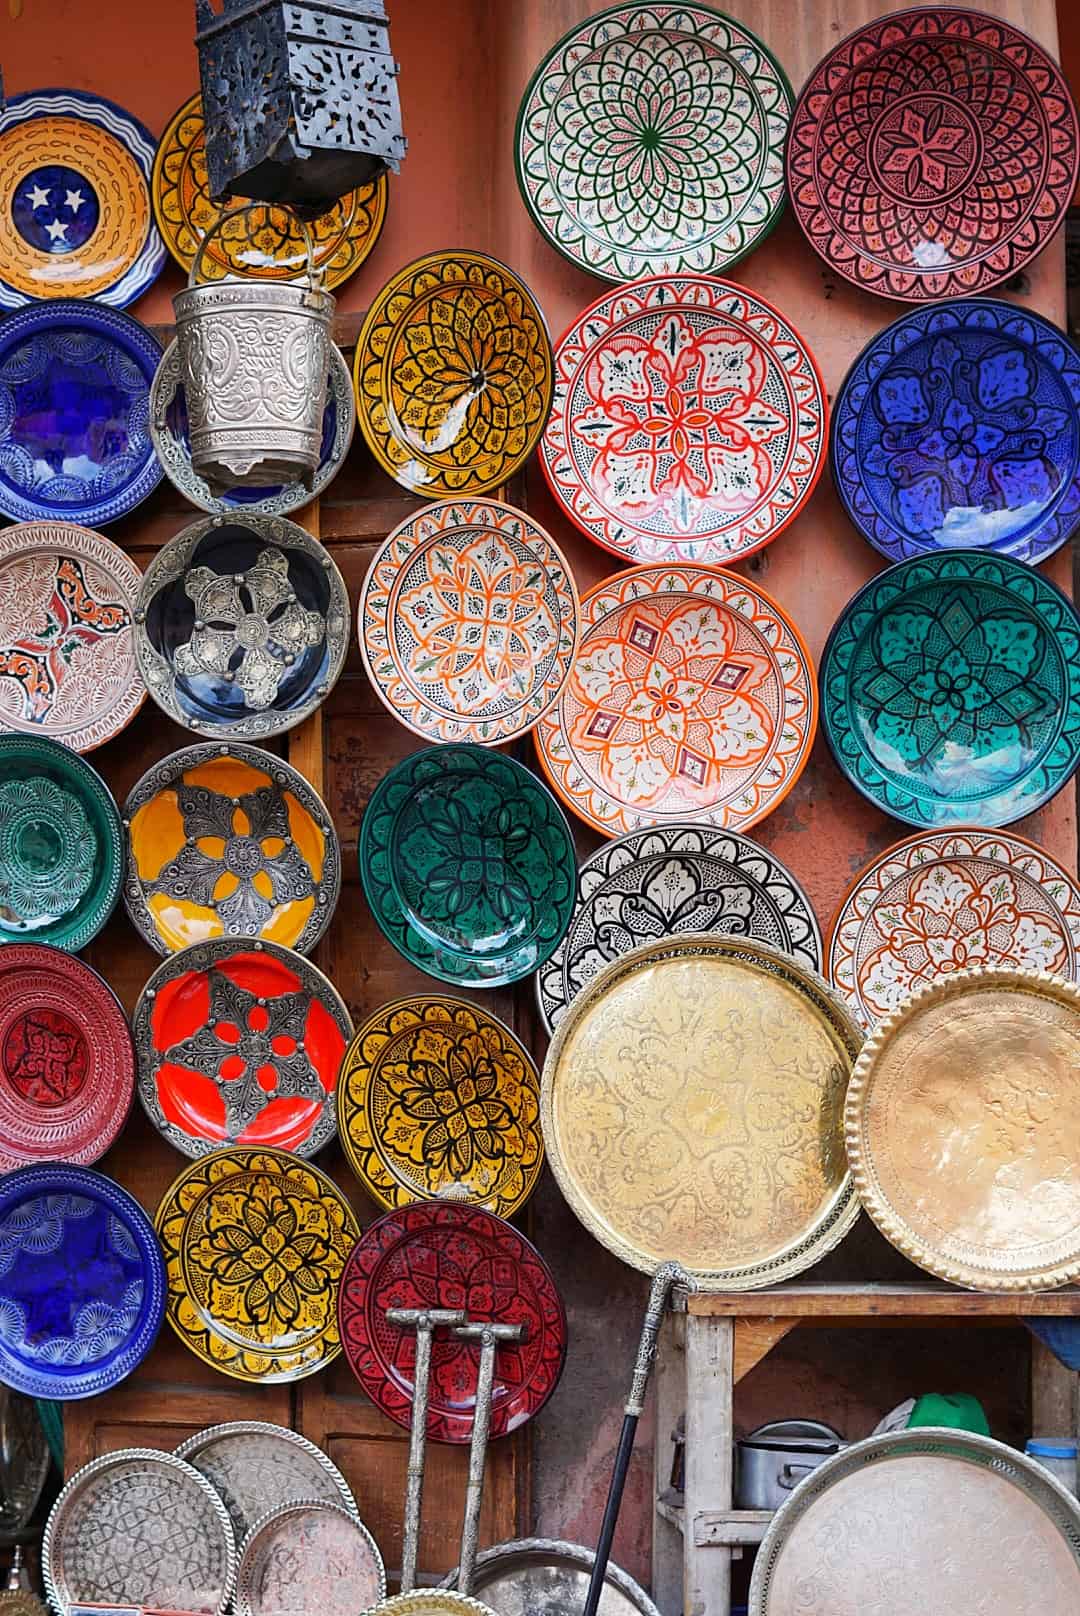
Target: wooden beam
833,1302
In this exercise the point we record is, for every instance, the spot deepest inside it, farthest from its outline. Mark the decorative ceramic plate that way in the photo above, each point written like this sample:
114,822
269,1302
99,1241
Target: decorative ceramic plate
66,1058
713,1135
438,1099
932,154
453,375
255,1242
75,440
74,190
242,626
962,1131
468,622
61,845
949,901
951,690
254,1468
169,430
651,140
82,1287
229,841
309,1555
689,422
67,661
938,1520
537,1576
672,879
436,1254
267,244
468,865
692,698
958,427
139,1528
240,1044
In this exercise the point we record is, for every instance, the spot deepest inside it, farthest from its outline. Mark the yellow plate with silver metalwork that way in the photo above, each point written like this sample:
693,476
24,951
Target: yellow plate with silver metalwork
692,1105
267,243
454,375
254,1244
437,1099
963,1129
431,1602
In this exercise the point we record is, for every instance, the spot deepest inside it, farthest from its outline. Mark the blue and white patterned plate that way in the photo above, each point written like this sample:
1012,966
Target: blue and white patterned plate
82,1282
958,428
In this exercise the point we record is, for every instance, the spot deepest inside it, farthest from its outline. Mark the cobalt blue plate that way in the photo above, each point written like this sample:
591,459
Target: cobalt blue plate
957,428
82,1282
75,441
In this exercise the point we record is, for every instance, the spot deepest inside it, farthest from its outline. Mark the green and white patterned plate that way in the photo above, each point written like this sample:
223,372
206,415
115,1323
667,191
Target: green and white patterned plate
651,140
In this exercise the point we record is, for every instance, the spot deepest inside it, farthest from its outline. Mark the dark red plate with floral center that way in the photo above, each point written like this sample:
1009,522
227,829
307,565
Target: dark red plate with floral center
932,154
441,1255
67,1065
240,1043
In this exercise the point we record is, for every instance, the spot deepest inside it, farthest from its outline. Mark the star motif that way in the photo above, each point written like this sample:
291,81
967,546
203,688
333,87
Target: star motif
74,200
39,197
56,231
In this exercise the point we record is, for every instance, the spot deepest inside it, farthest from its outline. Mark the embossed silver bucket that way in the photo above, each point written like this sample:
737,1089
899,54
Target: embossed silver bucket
255,357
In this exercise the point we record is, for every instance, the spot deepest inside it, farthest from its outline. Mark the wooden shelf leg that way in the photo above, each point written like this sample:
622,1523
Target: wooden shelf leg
669,1381
710,1384
1055,1394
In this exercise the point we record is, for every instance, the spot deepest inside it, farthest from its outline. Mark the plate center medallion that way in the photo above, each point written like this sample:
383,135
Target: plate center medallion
55,208
45,1057
925,149
48,851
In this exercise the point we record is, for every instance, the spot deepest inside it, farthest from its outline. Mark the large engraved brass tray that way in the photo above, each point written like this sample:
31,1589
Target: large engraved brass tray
963,1129
922,1523
692,1105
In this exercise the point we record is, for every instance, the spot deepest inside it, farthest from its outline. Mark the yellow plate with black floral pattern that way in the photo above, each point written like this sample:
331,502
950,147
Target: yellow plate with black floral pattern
454,375
267,243
439,1100
254,1244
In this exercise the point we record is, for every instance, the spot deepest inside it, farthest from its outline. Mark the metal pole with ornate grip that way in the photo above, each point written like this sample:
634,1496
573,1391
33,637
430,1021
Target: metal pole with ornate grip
489,1336
425,1321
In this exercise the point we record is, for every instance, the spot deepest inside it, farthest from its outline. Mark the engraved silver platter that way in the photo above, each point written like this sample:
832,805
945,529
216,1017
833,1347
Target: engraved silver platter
670,879
255,1468
168,418
309,1558
241,626
918,1523
24,1460
538,1576
139,1527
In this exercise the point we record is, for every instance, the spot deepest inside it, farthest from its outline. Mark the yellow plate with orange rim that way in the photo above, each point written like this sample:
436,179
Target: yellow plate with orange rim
227,840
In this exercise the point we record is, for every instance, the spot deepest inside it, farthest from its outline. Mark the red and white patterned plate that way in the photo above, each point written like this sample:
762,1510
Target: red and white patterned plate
688,424
692,697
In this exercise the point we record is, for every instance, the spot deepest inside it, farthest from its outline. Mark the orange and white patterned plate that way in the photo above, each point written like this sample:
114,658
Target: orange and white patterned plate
947,901
468,622
692,697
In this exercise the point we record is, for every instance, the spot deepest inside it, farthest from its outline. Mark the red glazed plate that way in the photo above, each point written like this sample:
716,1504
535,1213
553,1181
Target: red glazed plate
440,1255
67,1065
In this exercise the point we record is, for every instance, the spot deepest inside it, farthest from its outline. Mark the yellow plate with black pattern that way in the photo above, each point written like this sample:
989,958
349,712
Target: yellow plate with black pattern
437,1099
254,1244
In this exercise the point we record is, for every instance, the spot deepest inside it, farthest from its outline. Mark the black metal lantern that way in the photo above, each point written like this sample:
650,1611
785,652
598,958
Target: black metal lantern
299,99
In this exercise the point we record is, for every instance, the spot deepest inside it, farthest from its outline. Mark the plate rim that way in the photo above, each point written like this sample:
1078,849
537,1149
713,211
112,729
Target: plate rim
193,1446
274,1517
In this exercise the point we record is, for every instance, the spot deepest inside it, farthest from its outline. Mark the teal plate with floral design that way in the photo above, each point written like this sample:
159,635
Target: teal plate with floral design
468,865
951,690
61,845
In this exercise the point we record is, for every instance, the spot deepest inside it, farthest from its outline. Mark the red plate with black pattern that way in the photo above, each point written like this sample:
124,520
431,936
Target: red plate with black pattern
439,1254
67,1065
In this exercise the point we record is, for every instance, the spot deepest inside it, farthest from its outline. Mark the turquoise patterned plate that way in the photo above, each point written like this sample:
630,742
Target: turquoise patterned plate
950,690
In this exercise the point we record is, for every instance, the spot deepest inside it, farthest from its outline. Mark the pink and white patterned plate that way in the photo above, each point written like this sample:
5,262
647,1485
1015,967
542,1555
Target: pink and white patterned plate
948,901
689,421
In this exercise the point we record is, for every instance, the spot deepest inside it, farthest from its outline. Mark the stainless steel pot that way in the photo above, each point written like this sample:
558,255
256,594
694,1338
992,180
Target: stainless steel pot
771,1461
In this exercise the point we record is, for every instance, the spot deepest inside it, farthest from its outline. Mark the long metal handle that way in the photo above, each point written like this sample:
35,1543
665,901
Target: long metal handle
425,1324
489,1337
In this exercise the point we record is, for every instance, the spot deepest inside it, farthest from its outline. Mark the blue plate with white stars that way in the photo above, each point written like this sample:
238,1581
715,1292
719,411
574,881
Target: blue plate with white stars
957,428
75,198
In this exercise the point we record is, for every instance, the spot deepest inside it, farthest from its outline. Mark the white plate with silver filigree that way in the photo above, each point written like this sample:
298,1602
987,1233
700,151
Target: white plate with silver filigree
255,1467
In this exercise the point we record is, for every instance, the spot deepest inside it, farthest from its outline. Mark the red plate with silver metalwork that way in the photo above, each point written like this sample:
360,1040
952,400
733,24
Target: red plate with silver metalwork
440,1255
67,1066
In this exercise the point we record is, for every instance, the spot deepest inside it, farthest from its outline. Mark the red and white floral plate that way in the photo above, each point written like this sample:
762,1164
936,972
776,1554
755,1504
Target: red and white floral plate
468,622
946,901
692,697
689,421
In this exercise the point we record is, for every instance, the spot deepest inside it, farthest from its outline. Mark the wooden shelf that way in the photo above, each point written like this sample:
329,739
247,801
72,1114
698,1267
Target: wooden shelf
720,1529
828,1303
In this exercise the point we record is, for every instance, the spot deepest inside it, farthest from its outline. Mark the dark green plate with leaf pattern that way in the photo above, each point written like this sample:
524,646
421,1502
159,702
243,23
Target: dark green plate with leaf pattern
468,865
61,845
950,690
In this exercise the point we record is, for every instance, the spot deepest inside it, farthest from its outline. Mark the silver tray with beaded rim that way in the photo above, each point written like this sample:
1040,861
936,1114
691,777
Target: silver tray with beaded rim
139,1527
255,1467
539,1576
309,1558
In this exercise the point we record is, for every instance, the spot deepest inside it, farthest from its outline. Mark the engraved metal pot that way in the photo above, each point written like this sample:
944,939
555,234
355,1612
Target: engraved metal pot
255,357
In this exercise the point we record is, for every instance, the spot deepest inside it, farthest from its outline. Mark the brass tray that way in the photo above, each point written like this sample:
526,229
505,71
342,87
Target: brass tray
962,1129
934,1521
430,1602
692,1104
539,1576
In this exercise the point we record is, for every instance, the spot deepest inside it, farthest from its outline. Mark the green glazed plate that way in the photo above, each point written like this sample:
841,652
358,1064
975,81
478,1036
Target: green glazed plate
61,845
950,690
468,865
